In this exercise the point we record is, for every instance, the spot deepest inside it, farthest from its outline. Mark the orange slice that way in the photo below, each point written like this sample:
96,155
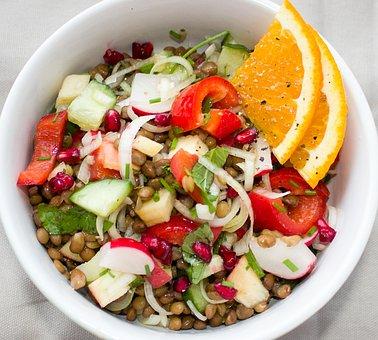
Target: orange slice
279,83
323,140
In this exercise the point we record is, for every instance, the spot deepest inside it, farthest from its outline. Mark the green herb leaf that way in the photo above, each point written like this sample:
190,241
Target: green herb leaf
177,130
237,47
58,222
279,207
173,144
44,158
203,234
147,269
294,184
104,271
196,271
167,186
193,212
136,282
289,264
253,264
208,201
227,283
71,128
312,231
221,238
206,105
310,192
155,100
156,196
146,68
178,37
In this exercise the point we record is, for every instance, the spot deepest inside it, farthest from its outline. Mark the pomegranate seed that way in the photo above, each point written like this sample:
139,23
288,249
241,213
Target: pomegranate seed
246,136
69,156
142,51
202,250
112,57
326,233
112,121
61,182
181,284
225,292
162,119
231,193
161,249
229,258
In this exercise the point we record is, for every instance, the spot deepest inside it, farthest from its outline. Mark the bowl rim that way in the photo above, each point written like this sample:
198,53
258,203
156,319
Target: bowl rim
294,320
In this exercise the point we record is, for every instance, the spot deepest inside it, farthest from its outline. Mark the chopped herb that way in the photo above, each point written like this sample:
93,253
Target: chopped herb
193,212
58,222
146,68
127,170
207,41
173,144
166,170
279,207
156,196
178,37
44,158
111,274
206,105
105,271
294,184
206,118
227,283
310,192
237,47
328,178
166,185
289,264
203,233
136,282
147,269
220,240
71,128
312,231
177,130
155,100
253,264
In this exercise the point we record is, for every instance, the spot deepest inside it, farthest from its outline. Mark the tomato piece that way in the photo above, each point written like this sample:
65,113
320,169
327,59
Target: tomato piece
98,171
222,123
187,107
107,155
173,231
289,179
48,140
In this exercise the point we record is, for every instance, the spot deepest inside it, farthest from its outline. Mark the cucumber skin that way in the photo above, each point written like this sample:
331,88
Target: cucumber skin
80,197
194,294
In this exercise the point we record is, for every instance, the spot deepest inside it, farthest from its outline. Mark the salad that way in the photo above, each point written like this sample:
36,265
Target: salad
155,192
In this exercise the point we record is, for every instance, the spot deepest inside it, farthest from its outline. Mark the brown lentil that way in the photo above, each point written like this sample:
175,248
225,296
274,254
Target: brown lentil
187,310
138,158
181,264
211,142
210,310
159,292
46,192
35,199
77,243
261,307
268,281
187,322
199,325
291,240
78,279
177,307
223,209
221,309
139,290
146,193
178,297
174,323
160,137
231,317
92,245
66,238
148,169
138,226
180,50
154,183
266,241
139,303
101,69
231,171
160,166
131,314
42,236
36,219
283,291
54,254
187,201
176,254
209,68
145,133
216,320
87,253
170,49
33,190
56,201
148,311
242,312
89,237
56,240
167,298
60,266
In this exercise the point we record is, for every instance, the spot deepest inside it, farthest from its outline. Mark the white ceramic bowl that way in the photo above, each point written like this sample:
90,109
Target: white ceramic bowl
77,46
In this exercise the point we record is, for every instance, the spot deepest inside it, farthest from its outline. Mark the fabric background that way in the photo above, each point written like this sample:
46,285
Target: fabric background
351,26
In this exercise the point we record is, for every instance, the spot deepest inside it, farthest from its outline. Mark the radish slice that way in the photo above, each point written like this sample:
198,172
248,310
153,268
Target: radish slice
150,297
283,261
126,144
128,256
263,156
149,127
195,311
232,183
220,222
270,194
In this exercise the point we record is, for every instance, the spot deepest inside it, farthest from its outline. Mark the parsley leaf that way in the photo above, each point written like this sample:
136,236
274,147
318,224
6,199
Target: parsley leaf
58,222
203,233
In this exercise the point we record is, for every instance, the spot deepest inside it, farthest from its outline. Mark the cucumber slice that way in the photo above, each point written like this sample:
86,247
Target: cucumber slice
102,197
92,269
231,57
88,109
194,294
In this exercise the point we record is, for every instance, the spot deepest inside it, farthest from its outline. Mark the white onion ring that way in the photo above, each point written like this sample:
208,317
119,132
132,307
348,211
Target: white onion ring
148,292
100,227
195,311
206,297
174,60
270,194
220,222
149,127
84,173
184,211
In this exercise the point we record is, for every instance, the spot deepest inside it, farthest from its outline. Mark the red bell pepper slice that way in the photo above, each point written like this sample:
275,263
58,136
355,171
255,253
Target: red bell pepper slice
48,140
187,107
274,215
222,123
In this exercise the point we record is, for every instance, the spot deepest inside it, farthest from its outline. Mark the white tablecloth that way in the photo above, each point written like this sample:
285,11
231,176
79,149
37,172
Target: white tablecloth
351,27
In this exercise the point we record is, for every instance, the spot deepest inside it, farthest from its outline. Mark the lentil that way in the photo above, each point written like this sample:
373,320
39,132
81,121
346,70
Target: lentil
78,279
35,199
148,169
266,241
77,243
86,254
56,240
242,312
210,311
139,303
261,307
54,254
187,322
223,209
42,236
216,320
138,158
268,281
174,323
199,325
231,318
60,266
145,193
131,314
177,307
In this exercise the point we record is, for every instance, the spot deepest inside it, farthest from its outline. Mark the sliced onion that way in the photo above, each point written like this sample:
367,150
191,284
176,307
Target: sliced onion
93,145
174,60
238,221
206,297
195,311
270,194
111,136
148,292
84,173
266,181
249,174
126,144
232,183
333,214
100,227
149,127
152,320
263,156
241,247
184,211
113,232
239,152
122,302
220,222
210,51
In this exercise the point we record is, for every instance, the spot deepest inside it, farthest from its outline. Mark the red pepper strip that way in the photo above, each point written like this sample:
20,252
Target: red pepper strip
222,123
48,140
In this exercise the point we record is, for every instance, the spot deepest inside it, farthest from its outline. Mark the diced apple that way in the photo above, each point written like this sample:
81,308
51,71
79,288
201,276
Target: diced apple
287,262
160,275
153,212
147,146
110,287
73,85
192,144
128,256
66,252
250,290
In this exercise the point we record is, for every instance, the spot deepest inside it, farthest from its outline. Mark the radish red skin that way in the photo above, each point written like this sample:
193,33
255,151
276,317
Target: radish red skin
129,242
159,276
